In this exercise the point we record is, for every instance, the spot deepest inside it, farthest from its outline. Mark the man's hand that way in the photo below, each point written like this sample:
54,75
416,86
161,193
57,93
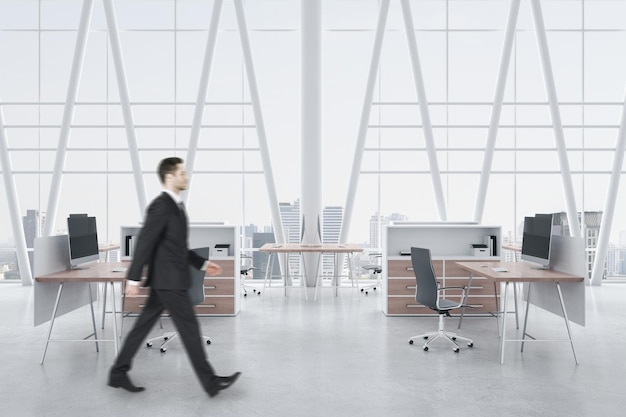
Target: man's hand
213,269
131,290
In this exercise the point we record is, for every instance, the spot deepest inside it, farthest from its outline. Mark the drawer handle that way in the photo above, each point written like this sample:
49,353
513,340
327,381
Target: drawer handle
411,287
413,305
210,287
409,268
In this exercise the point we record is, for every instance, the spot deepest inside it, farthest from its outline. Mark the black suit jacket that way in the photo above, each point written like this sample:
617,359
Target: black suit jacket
162,246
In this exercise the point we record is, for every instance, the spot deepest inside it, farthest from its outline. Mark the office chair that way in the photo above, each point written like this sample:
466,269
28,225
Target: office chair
196,292
375,270
427,293
244,272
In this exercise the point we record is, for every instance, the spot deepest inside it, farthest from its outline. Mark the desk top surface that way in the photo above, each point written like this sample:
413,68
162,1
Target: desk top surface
517,271
311,247
92,272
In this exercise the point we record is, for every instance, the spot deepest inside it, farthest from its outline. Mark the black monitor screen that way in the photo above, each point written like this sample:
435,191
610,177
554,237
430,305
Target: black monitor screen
83,237
537,235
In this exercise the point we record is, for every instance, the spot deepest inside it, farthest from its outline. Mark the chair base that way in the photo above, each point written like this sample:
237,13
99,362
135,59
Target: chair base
449,336
168,337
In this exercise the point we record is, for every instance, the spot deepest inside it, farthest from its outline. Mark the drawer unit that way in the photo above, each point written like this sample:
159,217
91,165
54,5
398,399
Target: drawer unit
401,285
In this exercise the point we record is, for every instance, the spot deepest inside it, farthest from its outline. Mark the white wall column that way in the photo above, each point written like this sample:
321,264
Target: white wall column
120,72
68,114
559,138
14,207
496,110
311,131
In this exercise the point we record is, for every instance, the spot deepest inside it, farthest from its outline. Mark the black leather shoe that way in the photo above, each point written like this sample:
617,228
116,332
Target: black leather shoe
221,382
122,381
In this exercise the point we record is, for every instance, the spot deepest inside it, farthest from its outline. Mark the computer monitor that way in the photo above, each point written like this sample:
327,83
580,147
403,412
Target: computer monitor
83,239
537,240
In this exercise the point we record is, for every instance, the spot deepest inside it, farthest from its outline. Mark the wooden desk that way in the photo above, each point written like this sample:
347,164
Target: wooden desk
300,248
522,272
93,272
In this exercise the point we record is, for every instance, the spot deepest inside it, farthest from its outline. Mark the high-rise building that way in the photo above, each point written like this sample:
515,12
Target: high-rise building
590,223
260,259
290,216
378,222
30,222
333,217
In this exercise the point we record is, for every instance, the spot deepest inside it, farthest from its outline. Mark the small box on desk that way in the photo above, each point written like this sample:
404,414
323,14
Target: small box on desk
220,249
479,249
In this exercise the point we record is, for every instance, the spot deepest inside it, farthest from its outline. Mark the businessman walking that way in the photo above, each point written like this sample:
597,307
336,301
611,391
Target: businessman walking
162,247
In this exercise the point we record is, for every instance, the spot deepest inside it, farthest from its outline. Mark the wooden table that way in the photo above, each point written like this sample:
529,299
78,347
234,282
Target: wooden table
301,248
101,272
522,272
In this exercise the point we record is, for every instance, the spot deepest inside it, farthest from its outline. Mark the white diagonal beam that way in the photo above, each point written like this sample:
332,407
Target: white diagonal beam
365,117
559,138
68,114
435,175
120,72
260,123
202,91
496,110
609,203
14,207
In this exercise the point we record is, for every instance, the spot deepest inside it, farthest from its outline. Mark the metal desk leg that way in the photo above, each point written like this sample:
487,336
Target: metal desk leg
503,331
269,267
569,333
104,304
469,286
54,314
93,316
515,300
524,334
115,341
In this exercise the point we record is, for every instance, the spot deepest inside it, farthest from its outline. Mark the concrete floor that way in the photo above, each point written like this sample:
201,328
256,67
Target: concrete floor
331,357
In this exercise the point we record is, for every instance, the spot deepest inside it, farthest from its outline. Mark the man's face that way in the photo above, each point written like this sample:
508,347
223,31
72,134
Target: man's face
178,179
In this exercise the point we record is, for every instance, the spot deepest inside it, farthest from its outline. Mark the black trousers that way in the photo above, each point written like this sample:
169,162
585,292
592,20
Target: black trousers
179,305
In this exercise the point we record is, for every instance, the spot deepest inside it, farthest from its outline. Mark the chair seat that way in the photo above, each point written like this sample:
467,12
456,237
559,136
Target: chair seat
445,305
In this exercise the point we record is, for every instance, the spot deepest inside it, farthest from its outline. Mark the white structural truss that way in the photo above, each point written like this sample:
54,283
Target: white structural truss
509,37
125,101
367,105
311,123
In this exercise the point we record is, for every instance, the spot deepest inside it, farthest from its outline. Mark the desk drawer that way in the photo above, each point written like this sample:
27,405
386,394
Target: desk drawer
453,270
480,285
216,305
399,268
228,268
480,304
406,305
401,286
135,304
213,286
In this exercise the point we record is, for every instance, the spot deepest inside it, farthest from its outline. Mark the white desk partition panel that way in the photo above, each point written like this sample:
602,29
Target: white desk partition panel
52,255
567,255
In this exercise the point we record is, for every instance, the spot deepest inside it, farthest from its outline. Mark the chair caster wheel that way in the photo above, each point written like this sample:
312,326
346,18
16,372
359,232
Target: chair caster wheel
245,295
163,350
470,344
454,338
410,342
425,337
149,344
456,350
425,348
208,342
258,293
361,289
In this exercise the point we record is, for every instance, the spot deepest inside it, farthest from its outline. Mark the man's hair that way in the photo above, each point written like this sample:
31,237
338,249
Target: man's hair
168,166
